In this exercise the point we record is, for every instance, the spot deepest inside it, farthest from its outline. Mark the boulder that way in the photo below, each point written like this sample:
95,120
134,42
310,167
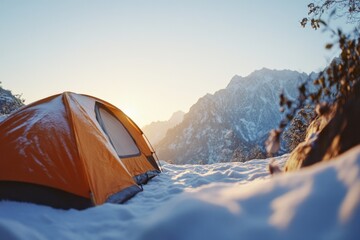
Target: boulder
329,135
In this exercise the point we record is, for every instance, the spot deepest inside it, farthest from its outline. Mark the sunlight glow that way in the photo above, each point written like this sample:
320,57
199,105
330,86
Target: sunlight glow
150,58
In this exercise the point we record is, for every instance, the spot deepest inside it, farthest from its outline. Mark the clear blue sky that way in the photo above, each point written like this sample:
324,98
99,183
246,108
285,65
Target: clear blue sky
150,57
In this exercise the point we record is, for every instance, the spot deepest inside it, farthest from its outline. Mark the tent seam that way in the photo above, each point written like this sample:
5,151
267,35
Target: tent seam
85,173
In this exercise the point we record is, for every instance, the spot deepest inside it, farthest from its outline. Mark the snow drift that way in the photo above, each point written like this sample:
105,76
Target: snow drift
217,201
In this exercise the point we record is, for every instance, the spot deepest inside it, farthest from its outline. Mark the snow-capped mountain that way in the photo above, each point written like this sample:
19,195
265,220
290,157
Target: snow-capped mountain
232,124
156,131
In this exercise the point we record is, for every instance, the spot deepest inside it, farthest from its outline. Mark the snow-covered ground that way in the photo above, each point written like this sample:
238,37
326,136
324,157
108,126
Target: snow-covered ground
219,201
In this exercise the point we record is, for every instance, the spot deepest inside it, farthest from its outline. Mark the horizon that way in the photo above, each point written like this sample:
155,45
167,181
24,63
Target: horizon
151,59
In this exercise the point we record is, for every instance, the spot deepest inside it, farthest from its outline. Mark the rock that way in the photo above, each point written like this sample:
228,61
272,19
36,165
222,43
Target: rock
329,136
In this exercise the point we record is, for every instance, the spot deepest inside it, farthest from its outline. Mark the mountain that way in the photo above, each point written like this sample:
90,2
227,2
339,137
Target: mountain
233,123
156,131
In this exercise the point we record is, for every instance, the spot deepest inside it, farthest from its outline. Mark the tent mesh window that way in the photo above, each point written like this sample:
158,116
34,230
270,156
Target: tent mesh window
120,138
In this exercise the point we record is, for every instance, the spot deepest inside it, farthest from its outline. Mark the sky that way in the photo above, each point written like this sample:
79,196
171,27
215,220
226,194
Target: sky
150,58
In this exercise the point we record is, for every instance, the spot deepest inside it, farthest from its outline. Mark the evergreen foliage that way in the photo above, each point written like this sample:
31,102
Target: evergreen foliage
9,102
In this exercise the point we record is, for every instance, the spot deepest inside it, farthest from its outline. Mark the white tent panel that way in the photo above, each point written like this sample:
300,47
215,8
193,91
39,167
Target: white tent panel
122,141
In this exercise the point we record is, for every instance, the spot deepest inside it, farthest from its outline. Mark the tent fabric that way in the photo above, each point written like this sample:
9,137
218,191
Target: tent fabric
59,143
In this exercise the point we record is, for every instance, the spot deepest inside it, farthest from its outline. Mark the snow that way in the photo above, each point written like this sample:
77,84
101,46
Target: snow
216,201
2,117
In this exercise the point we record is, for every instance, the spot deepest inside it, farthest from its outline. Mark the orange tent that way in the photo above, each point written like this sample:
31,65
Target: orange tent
73,151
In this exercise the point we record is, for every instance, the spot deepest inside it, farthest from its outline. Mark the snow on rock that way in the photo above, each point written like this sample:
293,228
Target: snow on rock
217,201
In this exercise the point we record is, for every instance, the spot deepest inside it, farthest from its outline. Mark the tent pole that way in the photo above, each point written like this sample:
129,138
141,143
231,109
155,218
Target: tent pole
153,151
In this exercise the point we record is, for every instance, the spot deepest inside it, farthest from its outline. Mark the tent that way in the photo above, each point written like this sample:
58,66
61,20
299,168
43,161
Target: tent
73,151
